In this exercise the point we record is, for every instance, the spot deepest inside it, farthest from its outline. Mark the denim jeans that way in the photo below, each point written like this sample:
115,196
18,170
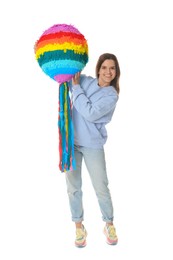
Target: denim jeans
95,163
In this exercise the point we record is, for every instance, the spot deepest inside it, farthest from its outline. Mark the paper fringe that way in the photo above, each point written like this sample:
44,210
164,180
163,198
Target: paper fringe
65,127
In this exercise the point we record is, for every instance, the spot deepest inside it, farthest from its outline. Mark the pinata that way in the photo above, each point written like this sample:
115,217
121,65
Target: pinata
61,52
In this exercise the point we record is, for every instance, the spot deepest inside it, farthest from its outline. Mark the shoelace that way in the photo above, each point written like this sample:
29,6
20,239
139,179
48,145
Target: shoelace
112,232
79,233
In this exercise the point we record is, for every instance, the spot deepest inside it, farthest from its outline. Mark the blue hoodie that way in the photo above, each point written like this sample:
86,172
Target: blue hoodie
92,109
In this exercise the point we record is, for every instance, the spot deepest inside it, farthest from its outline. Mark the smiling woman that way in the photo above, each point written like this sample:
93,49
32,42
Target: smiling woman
108,71
94,102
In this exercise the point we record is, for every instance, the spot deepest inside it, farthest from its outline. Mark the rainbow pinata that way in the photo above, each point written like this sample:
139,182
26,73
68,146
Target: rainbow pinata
61,52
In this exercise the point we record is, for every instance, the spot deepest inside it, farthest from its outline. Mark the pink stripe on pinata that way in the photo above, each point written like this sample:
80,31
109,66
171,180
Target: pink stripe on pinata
61,78
61,27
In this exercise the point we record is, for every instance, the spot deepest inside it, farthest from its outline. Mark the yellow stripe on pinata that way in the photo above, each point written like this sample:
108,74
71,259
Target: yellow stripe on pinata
80,49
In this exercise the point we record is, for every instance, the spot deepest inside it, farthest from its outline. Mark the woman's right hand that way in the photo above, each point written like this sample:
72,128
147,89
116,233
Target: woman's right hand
76,79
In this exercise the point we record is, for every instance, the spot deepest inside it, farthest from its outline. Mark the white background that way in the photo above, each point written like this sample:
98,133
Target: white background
35,221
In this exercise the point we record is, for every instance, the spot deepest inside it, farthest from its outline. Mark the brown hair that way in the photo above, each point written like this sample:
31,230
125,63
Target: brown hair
110,56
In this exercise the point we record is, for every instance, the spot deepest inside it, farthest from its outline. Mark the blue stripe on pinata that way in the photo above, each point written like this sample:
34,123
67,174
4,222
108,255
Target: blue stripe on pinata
63,64
59,71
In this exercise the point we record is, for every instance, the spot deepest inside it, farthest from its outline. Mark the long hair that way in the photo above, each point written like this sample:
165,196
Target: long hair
110,56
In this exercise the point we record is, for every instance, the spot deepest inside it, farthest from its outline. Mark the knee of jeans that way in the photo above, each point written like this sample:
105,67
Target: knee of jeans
101,187
74,192
103,192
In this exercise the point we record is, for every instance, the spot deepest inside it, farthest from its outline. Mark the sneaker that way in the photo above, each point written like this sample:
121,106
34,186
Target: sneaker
110,233
81,235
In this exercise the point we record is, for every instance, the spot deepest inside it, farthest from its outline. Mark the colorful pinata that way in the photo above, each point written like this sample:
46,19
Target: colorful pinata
61,52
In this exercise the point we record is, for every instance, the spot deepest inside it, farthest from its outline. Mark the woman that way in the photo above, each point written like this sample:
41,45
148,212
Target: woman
94,102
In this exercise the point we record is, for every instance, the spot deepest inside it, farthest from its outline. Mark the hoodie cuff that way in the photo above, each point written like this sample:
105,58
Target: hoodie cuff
75,87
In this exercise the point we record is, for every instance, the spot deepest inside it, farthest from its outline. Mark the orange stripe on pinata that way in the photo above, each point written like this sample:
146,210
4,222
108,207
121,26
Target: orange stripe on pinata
60,41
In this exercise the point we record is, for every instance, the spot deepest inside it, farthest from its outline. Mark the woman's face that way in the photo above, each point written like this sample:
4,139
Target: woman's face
107,73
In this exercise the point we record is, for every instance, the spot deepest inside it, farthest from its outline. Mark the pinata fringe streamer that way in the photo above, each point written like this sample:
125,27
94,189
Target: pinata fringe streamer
66,134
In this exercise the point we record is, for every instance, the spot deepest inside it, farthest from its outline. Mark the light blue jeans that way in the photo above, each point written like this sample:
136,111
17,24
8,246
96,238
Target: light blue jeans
95,163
